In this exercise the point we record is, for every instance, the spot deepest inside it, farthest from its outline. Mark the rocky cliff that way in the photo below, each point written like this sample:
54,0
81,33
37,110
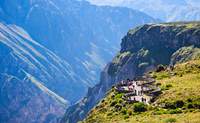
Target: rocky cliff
77,31
58,54
142,49
177,100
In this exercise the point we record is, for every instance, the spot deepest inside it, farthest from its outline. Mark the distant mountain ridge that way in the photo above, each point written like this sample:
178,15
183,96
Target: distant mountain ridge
55,49
24,98
166,10
71,30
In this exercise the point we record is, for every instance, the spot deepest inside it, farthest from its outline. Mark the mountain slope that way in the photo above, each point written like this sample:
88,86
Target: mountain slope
179,101
31,78
142,49
80,33
168,10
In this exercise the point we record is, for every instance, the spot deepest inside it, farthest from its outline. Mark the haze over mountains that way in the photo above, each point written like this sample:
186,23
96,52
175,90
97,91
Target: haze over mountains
23,98
166,10
52,50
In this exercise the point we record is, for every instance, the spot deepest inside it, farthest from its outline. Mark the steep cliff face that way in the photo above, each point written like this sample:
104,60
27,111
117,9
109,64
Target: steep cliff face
178,100
76,31
142,49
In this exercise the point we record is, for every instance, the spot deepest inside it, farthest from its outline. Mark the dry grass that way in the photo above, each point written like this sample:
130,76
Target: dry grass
184,85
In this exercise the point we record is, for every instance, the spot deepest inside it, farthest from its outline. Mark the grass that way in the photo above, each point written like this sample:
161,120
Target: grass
179,102
183,88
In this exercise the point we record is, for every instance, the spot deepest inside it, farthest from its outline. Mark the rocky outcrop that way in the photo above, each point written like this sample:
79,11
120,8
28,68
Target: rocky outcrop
142,49
185,54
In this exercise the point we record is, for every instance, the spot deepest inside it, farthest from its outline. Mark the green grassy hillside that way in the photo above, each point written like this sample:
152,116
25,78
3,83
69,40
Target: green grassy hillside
179,101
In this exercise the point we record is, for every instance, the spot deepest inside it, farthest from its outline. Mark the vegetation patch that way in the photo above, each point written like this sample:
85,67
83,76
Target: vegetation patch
170,120
140,107
179,102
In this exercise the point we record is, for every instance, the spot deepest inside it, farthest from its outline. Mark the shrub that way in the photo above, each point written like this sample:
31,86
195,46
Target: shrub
161,75
118,107
197,105
179,103
102,101
170,105
170,120
130,112
168,86
150,108
139,107
126,117
190,105
109,114
118,96
189,100
175,111
124,111
159,112
120,101
158,84
160,68
113,103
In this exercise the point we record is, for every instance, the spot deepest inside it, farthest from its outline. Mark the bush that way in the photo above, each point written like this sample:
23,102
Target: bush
197,105
159,112
174,105
139,107
124,111
189,100
161,75
175,111
158,84
170,105
130,112
109,114
113,103
179,104
168,86
160,68
190,105
118,107
118,96
126,117
102,101
170,120
120,101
